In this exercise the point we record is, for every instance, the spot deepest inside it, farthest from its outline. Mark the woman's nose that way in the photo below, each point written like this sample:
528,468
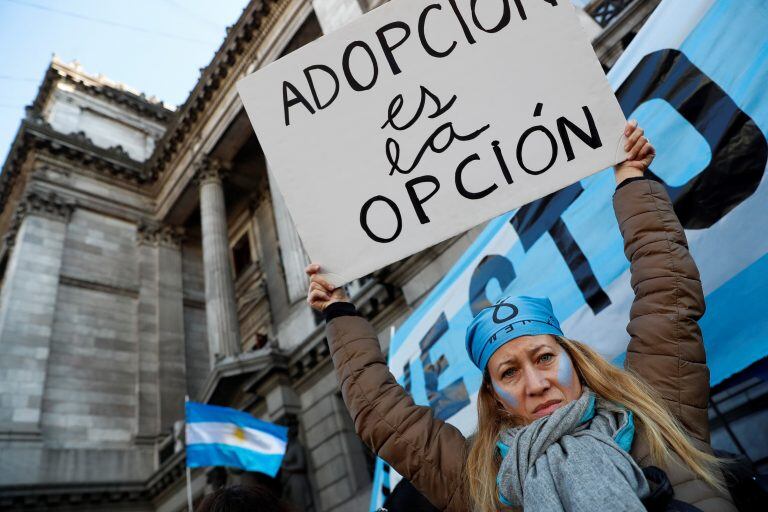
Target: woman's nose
536,382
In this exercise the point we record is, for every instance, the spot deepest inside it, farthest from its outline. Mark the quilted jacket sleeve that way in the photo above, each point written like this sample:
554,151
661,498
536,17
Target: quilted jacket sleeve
428,452
666,347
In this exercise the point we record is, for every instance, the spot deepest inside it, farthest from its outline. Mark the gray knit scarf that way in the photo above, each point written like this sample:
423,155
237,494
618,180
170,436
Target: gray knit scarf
575,459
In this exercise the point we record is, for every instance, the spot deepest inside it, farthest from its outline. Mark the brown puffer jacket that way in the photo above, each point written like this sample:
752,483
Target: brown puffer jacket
665,349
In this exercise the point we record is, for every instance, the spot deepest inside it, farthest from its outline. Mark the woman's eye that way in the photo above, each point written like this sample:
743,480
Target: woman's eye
509,372
546,358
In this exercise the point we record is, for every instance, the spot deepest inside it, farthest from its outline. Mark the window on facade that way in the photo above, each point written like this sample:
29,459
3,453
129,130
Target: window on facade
605,11
241,255
261,341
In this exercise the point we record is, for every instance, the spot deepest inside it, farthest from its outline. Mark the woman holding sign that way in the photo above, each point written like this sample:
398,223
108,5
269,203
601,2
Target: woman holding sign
559,427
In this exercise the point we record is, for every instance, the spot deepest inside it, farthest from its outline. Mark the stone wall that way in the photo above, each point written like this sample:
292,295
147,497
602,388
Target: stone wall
101,250
90,388
68,319
337,456
196,347
90,397
196,352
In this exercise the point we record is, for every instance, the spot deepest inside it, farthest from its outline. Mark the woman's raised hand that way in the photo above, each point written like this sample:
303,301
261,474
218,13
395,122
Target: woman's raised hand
641,153
321,293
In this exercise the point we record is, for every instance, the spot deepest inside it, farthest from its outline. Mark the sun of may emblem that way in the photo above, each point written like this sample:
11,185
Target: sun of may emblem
239,433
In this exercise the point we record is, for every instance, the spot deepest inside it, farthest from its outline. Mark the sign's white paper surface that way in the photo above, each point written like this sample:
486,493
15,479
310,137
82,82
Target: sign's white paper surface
461,115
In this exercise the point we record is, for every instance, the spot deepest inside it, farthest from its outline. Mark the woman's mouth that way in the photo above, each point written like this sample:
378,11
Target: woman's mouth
546,408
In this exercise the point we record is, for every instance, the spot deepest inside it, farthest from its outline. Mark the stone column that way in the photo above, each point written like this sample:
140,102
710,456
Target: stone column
292,252
220,305
27,307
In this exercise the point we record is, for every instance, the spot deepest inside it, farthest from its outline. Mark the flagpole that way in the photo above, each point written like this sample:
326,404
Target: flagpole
189,489
189,473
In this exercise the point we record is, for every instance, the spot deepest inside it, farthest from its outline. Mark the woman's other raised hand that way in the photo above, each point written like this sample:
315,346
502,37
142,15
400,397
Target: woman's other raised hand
321,293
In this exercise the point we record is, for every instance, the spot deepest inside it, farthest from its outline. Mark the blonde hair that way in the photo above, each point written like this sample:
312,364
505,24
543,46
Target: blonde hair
660,429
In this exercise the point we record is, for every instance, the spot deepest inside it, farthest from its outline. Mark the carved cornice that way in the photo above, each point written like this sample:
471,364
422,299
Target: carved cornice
229,54
153,233
98,86
77,147
35,134
209,169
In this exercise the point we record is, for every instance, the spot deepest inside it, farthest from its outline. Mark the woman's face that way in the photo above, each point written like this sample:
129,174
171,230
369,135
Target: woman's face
532,376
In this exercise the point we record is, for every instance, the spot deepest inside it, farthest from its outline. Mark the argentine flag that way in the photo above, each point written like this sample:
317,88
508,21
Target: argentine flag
220,436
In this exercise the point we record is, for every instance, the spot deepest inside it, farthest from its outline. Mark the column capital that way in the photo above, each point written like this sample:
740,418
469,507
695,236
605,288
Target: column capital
209,169
154,233
45,204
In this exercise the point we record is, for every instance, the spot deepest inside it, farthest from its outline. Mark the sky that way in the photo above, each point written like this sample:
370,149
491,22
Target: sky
155,46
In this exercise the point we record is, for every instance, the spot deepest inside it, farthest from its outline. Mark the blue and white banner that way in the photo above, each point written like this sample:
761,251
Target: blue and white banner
695,77
220,436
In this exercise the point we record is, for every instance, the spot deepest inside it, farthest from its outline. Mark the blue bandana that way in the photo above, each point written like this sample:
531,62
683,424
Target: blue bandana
509,318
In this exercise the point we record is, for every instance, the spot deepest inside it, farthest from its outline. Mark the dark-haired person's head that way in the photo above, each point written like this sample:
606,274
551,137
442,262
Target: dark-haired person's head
240,498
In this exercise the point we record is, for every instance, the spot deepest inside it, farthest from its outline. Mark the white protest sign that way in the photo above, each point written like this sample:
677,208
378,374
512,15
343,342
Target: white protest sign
424,118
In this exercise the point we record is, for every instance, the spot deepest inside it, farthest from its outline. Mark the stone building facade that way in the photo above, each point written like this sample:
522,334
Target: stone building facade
147,257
